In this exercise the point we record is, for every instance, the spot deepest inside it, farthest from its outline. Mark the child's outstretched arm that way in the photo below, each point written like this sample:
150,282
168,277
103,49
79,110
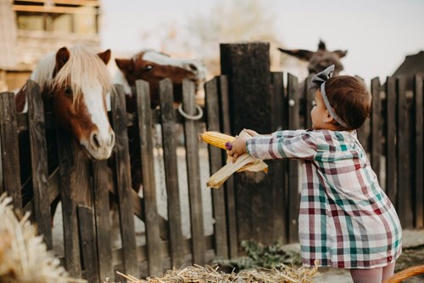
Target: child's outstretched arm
298,144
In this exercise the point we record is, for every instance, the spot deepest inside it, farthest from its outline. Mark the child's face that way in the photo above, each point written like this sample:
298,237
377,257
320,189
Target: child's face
320,117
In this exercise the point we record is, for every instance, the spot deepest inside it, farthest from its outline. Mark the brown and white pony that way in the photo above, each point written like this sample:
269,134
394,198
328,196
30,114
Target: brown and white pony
153,66
74,83
320,59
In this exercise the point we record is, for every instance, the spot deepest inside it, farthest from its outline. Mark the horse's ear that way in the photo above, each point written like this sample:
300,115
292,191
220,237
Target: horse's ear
125,65
340,53
321,45
301,54
62,56
105,56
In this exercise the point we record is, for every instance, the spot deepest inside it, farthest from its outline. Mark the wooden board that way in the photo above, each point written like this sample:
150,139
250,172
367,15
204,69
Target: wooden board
419,153
10,148
376,126
149,186
39,161
191,137
293,166
215,163
123,180
390,150
171,171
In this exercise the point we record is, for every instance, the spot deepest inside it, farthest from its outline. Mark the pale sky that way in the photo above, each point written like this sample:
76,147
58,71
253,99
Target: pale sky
378,34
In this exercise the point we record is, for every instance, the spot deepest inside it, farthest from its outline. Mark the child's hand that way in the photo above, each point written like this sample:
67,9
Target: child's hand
237,147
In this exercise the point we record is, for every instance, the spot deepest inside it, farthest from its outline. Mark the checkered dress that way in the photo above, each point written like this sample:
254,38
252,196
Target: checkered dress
345,218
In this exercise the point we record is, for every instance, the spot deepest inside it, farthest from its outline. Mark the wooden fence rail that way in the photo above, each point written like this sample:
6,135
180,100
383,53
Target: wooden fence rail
393,137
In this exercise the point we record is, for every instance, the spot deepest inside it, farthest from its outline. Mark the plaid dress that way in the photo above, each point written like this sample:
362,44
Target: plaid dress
345,218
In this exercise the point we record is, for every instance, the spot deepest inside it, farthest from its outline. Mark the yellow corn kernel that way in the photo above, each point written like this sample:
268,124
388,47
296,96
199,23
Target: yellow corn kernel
216,139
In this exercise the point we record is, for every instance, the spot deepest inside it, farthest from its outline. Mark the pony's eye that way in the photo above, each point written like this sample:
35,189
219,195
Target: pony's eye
148,68
68,91
192,67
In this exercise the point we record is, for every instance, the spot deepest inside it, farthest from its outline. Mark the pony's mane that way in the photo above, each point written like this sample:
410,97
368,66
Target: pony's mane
84,68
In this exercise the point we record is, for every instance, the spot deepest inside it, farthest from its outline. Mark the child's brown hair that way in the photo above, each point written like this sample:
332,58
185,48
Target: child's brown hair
350,99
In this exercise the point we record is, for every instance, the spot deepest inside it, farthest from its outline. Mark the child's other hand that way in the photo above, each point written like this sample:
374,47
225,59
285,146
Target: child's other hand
251,133
237,147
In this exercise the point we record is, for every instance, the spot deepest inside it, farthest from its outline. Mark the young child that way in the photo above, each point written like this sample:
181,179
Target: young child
345,218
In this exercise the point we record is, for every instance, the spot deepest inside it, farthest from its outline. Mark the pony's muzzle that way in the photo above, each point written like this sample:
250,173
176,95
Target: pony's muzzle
102,144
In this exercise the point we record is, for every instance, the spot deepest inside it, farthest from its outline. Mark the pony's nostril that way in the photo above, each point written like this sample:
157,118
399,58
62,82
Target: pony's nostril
95,140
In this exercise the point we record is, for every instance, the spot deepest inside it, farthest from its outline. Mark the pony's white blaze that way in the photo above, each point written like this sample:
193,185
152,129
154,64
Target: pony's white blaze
93,97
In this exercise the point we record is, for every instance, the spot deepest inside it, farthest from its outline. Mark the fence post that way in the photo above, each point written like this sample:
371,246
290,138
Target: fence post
247,66
10,148
419,180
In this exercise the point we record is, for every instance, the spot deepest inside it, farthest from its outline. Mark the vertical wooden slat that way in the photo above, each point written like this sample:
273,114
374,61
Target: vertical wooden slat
66,146
309,98
403,152
419,152
102,185
36,125
293,170
376,126
191,137
88,243
10,148
229,184
391,156
215,163
171,172
123,176
145,125
278,167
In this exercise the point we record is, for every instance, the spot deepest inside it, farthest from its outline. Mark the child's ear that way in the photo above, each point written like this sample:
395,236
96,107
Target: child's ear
328,118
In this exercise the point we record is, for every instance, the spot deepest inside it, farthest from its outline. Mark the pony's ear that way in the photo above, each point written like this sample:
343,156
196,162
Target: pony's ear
62,56
105,56
125,65
340,53
321,45
301,54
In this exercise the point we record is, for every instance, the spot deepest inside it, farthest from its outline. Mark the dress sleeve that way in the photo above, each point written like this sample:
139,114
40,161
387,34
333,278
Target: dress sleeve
298,144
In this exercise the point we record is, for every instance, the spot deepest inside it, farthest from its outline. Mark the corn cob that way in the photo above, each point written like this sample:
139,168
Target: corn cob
216,139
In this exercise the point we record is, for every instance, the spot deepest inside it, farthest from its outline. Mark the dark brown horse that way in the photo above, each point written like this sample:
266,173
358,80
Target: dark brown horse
320,59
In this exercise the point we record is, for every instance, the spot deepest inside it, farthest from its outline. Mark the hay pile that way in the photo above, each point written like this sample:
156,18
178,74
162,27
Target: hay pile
23,254
281,273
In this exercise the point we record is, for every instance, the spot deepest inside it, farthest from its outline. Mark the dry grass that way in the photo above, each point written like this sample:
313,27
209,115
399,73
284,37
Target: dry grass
211,274
23,255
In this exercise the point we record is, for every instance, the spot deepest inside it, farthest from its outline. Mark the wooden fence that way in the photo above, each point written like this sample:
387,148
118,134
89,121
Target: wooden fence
393,137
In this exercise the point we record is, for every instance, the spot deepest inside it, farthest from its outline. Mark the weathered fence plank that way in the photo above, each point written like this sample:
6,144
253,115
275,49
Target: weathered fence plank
10,148
102,184
278,111
229,184
66,145
39,161
309,98
191,137
149,186
419,152
293,166
376,126
123,176
404,160
171,171
391,156
88,243
215,163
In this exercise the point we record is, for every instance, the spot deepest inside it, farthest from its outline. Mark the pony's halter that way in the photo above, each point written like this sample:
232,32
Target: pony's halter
319,81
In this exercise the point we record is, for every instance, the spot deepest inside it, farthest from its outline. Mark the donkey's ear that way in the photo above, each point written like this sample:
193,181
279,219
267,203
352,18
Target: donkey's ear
340,53
301,54
105,56
62,56
125,65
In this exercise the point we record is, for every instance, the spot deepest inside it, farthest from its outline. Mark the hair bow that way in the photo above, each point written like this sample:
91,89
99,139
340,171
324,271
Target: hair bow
319,80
